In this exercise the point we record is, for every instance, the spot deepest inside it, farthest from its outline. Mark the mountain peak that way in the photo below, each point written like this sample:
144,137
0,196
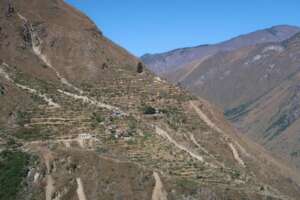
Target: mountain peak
284,26
283,31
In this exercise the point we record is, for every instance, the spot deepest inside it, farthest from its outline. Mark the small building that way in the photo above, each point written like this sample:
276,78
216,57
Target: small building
85,136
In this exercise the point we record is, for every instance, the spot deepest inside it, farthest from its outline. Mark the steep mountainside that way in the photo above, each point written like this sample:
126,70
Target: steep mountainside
258,87
169,63
274,118
82,119
242,76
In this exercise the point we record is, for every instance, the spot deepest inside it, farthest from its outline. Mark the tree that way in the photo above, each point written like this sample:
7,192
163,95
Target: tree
140,68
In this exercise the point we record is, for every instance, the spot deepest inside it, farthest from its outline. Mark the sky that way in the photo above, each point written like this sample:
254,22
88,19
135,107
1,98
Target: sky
154,26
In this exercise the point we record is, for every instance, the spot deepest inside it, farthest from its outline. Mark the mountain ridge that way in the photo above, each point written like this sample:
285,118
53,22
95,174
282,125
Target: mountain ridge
173,60
271,29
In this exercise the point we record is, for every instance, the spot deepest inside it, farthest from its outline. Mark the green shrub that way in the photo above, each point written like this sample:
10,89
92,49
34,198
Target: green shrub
132,142
236,174
2,90
101,150
147,135
132,126
22,118
187,184
148,110
13,169
11,142
31,134
175,117
98,117
295,154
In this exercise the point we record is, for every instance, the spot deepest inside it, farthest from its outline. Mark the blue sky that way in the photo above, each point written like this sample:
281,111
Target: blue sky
152,26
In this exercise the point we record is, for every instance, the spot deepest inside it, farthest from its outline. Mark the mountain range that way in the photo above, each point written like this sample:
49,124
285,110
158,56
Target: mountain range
257,86
172,61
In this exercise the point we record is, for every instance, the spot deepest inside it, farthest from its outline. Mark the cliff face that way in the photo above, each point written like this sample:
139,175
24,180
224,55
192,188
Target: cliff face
89,122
